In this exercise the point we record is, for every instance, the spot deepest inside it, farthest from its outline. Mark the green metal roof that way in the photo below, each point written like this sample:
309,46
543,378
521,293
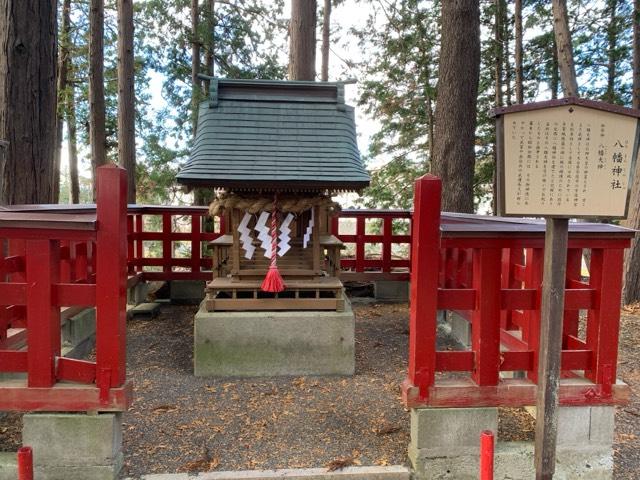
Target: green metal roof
263,134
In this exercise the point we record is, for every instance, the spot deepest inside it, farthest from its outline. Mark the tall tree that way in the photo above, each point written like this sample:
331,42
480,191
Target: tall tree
28,99
326,38
210,43
455,117
126,97
612,37
72,143
518,51
498,30
398,90
632,257
195,63
63,80
565,49
97,108
302,40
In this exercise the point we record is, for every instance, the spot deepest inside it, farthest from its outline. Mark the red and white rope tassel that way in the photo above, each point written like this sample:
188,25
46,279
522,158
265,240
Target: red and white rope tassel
273,281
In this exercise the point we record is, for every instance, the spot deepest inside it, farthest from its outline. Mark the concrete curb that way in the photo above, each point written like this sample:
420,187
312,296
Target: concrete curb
395,472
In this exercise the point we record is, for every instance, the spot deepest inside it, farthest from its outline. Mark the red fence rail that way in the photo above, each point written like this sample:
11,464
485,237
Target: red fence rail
52,261
490,272
188,227
487,270
387,229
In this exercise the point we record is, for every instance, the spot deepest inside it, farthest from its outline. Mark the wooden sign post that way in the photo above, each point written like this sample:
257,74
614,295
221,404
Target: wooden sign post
562,159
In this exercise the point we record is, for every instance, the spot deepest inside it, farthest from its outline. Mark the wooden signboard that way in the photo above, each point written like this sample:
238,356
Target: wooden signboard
567,158
562,159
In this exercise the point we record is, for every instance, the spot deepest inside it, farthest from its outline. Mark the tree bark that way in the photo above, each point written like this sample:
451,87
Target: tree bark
72,143
632,256
126,97
612,40
302,40
63,80
555,76
455,125
97,109
498,49
28,31
326,33
211,24
565,49
518,51
195,64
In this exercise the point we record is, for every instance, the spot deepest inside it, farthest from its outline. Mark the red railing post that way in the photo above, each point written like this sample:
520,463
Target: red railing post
196,245
485,318
425,248
603,322
43,316
360,251
486,455
574,272
111,277
25,463
531,335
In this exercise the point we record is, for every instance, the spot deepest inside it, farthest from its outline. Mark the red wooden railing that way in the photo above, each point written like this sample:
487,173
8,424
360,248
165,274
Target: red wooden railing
52,261
486,269
490,272
194,233
390,228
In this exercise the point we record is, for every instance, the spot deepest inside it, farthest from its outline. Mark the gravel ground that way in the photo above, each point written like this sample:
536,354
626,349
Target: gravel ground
180,423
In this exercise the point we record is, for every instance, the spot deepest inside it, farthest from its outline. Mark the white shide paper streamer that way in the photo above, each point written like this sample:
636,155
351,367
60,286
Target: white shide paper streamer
307,233
284,238
264,234
245,238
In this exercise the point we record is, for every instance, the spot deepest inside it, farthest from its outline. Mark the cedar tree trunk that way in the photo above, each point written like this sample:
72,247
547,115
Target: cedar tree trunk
565,50
97,115
126,97
28,99
326,32
302,40
632,257
455,125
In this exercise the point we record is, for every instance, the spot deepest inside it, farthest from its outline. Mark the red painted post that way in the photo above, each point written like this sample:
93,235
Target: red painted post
167,245
43,317
196,245
25,463
485,319
425,248
535,263
574,272
486,455
387,232
360,232
111,278
603,322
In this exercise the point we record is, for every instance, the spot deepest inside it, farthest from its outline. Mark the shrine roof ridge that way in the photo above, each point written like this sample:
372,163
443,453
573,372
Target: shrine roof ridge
561,102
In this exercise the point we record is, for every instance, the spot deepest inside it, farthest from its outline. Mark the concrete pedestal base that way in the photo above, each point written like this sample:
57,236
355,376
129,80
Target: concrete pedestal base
74,446
8,466
445,444
187,292
391,291
288,343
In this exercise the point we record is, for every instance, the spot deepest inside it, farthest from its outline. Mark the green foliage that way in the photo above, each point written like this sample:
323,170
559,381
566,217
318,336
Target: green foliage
399,79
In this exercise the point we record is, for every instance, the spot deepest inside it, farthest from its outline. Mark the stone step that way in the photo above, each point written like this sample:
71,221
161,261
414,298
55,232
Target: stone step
8,466
394,472
144,310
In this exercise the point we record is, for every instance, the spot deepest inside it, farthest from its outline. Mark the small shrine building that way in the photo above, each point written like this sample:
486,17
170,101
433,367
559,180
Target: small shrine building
276,152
